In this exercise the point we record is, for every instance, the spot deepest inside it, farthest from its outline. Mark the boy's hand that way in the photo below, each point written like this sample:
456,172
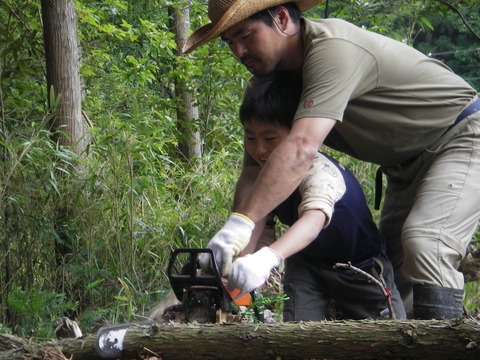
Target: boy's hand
252,271
228,242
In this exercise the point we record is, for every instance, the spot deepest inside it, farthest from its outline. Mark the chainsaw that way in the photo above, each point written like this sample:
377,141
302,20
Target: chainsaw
204,298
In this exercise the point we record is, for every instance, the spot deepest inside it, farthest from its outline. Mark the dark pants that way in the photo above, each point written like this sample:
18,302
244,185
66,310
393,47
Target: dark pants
310,288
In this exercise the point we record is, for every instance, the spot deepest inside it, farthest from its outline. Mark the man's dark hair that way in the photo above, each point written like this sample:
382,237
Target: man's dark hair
274,100
266,15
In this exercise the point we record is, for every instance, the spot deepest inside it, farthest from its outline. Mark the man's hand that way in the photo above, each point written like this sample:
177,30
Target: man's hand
228,242
252,271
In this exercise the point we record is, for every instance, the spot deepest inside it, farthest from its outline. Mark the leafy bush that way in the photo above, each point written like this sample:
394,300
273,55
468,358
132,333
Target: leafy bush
35,311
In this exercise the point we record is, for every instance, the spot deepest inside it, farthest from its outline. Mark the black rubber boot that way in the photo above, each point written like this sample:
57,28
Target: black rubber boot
436,302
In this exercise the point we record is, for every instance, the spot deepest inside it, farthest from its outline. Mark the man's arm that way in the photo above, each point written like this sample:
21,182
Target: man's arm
285,168
261,232
245,182
257,233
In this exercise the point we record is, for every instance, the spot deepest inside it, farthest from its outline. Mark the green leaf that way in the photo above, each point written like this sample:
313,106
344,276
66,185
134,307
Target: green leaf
426,22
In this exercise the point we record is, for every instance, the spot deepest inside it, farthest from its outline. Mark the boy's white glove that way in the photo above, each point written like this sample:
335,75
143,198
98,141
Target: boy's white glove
252,271
228,242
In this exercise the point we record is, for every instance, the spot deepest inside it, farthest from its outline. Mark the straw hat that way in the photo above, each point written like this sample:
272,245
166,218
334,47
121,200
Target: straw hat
226,13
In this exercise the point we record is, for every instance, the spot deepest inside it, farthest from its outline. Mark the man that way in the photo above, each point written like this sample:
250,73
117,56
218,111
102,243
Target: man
380,101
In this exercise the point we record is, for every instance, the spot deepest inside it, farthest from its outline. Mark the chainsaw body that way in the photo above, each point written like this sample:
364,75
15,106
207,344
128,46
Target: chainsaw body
202,295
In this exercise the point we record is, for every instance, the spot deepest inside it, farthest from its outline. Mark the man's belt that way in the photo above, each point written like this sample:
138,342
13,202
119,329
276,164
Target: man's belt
469,110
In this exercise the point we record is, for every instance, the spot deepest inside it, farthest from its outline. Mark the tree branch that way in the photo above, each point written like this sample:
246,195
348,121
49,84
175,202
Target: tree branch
459,13
383,287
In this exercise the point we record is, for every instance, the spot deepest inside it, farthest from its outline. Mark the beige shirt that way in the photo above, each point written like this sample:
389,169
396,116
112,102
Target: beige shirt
390,100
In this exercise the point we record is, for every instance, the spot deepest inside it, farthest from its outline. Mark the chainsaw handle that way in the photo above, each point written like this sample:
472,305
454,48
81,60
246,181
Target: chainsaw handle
188,275
191,267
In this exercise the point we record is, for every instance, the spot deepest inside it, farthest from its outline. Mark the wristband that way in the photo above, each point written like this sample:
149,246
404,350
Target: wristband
243,216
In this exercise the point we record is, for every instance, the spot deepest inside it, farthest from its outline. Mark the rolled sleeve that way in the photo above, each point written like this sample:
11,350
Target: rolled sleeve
321,188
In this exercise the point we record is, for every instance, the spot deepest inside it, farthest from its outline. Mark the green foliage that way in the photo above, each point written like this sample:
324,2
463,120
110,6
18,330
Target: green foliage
451,42
472,297
4,329
36,311
266,301
134,198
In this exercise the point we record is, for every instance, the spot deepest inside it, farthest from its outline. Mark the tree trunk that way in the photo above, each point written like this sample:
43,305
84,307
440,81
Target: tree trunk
190,142
62,57
367,339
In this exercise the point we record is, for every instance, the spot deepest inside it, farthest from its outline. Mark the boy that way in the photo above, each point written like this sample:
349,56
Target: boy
329,223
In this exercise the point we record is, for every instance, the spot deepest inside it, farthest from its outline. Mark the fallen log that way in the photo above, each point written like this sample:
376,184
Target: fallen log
366,339
8,341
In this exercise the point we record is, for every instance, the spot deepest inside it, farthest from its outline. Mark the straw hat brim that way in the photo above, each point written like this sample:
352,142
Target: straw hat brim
239,11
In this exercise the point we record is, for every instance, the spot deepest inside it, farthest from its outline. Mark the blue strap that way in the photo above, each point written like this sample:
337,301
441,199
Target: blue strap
469,110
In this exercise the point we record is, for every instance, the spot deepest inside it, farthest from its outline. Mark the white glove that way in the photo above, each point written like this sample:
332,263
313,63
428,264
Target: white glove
228,242
252,271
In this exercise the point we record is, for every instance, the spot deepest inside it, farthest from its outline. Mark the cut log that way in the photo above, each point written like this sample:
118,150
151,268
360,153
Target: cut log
366,339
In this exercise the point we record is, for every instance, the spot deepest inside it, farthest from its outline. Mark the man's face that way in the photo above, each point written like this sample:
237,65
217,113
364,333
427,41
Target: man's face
262,138
256,45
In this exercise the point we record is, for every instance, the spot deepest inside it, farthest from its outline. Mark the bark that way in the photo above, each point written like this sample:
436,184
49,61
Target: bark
62,57
8,341
367,339
190,142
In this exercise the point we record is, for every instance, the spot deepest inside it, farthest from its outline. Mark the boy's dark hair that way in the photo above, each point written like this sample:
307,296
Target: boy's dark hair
274,100
266,15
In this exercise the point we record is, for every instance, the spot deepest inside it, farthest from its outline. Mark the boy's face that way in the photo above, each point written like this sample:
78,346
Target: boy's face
262,138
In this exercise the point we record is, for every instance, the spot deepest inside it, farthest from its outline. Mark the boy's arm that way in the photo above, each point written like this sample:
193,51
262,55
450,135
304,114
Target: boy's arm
323,186
300,234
